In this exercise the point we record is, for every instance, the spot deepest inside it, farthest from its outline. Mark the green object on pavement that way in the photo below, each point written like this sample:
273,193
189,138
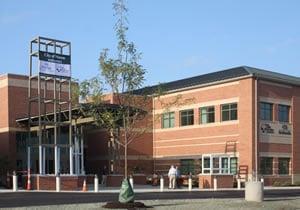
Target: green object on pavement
126,193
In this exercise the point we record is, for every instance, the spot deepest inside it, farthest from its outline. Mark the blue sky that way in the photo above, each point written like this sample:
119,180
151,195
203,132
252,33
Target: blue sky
178,38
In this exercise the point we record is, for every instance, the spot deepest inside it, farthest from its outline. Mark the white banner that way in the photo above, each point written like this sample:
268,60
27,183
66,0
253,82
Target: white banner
54,64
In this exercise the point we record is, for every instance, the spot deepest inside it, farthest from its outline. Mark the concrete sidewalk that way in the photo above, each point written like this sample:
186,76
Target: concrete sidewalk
197,204
145,189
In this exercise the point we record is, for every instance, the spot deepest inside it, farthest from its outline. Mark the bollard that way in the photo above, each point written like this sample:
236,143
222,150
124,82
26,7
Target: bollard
57,183
15,182
239,183
131,181
215,183
28,180
161,184
96,183
84,187
254,191
190,183
262,180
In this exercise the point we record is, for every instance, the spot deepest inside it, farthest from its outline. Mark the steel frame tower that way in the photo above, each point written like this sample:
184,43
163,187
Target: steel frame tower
46,102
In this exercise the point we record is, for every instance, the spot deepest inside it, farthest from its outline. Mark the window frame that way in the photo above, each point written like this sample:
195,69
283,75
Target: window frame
288,166
187,115
207,114
187,166
230,111
279,112
220,169
262,114
236,165
264,170
169,118
204,169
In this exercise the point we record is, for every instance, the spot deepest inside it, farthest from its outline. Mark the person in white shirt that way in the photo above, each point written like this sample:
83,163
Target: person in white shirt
172,177
178,175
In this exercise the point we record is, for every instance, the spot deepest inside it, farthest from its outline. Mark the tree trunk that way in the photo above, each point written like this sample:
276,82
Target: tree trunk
125,159
125,148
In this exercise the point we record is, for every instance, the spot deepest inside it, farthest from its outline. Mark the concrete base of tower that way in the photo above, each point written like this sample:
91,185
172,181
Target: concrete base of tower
67,182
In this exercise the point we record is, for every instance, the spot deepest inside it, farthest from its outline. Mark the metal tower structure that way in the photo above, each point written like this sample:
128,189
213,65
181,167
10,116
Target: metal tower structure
49,92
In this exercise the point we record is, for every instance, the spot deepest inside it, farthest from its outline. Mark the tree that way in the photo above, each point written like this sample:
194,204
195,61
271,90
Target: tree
121,75
124,75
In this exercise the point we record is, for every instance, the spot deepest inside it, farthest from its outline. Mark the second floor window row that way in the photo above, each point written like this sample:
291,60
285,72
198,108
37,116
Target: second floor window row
267,112
206,115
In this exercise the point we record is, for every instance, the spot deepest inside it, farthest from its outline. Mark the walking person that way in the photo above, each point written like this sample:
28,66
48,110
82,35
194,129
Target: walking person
172,177
178,176
104,176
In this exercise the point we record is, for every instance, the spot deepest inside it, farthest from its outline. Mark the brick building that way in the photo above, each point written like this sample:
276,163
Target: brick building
240,122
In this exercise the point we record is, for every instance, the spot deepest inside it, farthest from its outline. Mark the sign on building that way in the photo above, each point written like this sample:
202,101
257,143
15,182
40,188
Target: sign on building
276,129
54,64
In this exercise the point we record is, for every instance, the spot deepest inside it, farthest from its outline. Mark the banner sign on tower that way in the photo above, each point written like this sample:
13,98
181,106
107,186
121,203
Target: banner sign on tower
54,64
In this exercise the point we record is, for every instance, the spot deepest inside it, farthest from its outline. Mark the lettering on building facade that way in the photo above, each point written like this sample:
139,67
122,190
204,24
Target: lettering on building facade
275,128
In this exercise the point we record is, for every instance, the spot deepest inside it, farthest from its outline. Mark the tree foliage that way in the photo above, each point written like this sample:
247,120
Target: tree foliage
122,74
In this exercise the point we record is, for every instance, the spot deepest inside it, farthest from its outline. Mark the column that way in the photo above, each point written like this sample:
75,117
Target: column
44,160
71,160
58,159
28,159
82,150
55,159
40,159
76,153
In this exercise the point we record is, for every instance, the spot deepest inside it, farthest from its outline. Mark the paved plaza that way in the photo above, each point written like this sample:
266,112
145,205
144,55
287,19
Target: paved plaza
275,198
289,203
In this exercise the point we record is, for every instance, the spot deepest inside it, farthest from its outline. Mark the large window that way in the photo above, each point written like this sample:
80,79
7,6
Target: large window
21,143
229,112
216,164
224,164
266,111
233,165
168,120
283,165
19,165
283,113
207,114
187,166
187,117
206,165
266,165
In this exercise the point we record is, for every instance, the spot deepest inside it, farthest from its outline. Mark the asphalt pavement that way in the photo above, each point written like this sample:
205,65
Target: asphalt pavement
26,199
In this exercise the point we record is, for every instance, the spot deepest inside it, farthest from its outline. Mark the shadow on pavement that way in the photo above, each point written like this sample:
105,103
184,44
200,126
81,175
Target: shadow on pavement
168,204
279,199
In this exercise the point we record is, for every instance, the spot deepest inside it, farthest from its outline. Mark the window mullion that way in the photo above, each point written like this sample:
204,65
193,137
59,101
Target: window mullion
220,165
229,165
211,164
202,164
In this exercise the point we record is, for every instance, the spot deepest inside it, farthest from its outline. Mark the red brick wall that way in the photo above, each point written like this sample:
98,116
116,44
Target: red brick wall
296,133
139,153
279,92
67,182
116,180
197,140
223,181
3,107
